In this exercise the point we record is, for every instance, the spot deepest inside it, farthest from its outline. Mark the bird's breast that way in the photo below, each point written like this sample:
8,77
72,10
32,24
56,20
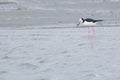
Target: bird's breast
89,23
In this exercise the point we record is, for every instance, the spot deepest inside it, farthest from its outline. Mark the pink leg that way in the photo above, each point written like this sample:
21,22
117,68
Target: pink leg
93,30
88,29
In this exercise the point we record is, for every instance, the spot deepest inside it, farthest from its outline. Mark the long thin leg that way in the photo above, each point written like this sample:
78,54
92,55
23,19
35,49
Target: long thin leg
93,30
88,30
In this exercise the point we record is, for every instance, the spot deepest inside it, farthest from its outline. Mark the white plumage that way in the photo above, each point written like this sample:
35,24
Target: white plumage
88,22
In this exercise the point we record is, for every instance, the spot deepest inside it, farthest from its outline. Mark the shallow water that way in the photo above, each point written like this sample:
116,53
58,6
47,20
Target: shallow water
55,54
39,40
58,12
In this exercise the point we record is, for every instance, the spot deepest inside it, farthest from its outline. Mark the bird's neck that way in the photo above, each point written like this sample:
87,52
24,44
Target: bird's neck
83,20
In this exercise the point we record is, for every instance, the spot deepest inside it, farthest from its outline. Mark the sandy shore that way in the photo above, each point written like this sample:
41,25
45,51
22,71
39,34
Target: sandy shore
41,42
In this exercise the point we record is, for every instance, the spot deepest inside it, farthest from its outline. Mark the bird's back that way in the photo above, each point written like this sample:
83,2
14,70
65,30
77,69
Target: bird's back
92,20
89,20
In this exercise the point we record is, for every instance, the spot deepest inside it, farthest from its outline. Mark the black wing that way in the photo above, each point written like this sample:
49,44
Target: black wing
98,20
92,20
89,20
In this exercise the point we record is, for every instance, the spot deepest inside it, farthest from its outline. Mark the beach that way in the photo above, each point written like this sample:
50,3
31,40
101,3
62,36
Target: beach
39,40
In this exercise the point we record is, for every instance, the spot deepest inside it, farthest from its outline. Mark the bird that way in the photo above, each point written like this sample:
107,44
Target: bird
88,22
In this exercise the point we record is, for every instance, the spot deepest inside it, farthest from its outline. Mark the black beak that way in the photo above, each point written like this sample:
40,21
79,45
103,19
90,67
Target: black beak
78,24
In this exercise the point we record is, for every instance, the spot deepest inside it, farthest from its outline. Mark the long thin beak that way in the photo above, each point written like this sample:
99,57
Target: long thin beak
78,24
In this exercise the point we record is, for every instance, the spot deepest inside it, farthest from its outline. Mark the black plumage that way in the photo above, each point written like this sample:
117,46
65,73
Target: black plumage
91,20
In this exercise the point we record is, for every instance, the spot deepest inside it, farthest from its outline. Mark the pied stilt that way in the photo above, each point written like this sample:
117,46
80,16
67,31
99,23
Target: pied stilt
88,22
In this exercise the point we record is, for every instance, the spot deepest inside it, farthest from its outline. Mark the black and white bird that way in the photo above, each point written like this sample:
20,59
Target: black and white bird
88,22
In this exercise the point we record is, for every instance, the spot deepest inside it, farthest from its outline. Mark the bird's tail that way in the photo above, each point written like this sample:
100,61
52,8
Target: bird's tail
98,20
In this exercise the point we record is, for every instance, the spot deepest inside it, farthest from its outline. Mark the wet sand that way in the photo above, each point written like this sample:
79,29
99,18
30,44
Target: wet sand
63,13
45,44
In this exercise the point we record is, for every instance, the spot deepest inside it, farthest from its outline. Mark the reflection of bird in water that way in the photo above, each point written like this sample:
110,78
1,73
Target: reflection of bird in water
88,22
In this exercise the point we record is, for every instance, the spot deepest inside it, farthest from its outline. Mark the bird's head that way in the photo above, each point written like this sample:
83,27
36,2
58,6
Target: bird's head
81,20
